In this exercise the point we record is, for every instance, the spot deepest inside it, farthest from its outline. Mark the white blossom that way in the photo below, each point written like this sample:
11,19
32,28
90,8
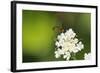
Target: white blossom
67,56
57,55
70,33
87,56
57,44
67,43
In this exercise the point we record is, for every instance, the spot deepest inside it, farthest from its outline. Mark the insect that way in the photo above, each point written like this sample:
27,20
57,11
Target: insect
59,29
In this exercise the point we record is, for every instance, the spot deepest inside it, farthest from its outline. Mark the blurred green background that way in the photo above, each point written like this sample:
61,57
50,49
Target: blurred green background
40,29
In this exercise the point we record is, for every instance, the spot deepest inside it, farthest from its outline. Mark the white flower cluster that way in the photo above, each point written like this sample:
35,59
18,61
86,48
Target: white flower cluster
87,56
66,44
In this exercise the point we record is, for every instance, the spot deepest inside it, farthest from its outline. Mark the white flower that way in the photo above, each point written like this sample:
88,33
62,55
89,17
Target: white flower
61,37
57,55
68,46
60,51
57,44
75,41
70,33
79,47
87,56
68,43
75,50
67,56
